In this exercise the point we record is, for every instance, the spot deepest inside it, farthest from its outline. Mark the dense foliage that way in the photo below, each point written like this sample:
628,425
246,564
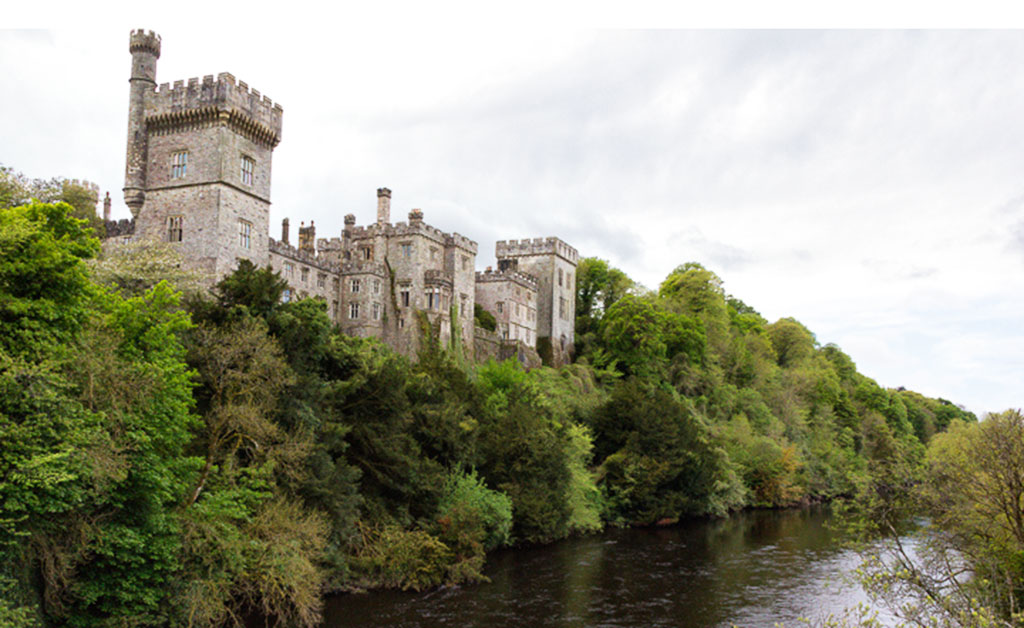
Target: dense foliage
193,459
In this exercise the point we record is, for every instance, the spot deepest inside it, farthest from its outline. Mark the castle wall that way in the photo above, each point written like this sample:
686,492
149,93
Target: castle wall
512,298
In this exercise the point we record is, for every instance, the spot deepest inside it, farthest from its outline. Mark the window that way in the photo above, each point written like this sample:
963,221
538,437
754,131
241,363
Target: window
568,279
432,300
286,296
517,309
405,298
499,307
406,250
174,228
245,234
376,311
289,269
559,276
321,280
465,262
462,304
248,166
305,274
504,335
401,323
353,285
335,284
376,286
561,307
179,164
433,253
353,310
334,308
367,252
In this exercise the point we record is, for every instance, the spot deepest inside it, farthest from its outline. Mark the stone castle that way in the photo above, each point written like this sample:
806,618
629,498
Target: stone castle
197,174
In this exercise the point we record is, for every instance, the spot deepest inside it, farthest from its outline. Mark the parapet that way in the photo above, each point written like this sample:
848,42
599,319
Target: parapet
305,257
89,185
460,241
364,267
525,280
536,246
211,100
144,41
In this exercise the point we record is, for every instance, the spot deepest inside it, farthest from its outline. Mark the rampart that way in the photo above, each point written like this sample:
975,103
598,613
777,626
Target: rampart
536,246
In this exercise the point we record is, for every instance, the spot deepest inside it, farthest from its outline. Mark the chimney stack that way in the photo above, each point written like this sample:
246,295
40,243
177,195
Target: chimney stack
383,206
106,207
307,238
284,231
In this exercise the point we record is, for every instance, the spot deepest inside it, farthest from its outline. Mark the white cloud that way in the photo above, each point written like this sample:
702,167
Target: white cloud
865,183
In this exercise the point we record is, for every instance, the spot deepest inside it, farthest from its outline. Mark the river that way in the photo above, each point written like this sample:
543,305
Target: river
753,569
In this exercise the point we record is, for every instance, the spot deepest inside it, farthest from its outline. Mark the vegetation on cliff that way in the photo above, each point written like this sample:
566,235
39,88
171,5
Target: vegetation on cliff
173,459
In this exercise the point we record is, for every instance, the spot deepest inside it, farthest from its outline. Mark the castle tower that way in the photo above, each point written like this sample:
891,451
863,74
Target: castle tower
199,163
553,263
145,49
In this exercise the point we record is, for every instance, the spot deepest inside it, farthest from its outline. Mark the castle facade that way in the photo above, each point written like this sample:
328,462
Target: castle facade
198,173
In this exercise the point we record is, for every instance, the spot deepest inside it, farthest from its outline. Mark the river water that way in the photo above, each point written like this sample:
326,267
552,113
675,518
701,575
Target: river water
753,569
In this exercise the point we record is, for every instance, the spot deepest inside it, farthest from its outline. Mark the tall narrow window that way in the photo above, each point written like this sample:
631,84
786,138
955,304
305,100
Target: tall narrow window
406,250
353,310
245,234
248,166
354,285
367,252
376,311
321,280
405,298
179,164
559,276
305,274
174,228
376,286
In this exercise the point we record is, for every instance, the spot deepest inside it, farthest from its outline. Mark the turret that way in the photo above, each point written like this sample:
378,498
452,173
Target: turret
106,207
145,49
284,231
383,206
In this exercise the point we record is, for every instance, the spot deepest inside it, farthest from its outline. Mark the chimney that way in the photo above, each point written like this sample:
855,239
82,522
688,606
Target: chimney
383,206
416,216
106,207
284,231
307,238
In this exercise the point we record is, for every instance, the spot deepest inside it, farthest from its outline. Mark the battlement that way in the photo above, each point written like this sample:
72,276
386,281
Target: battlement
364,267
89,185
142,40
305,257
536,246
213,101
329,244
523,279
460,241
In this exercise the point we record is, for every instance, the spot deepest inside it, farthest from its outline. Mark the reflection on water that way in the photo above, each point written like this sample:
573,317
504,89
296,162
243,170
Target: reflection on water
752,569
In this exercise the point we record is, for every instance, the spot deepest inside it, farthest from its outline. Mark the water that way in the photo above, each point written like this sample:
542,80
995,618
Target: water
753,569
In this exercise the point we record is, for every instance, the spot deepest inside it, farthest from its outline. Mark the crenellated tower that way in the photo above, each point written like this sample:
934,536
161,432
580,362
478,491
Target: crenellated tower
198,164
145,49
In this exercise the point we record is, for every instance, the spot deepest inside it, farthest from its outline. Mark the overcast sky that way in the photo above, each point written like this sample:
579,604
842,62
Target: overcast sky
867,183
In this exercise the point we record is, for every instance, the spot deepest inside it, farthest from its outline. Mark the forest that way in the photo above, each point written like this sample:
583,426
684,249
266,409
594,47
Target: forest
175,456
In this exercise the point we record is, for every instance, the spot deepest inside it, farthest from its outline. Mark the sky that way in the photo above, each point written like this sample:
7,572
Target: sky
867,183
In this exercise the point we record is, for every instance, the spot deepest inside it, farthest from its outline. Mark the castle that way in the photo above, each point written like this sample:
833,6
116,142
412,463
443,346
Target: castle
197,175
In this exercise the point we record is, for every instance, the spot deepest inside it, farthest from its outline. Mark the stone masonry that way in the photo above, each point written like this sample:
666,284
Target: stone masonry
198,172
